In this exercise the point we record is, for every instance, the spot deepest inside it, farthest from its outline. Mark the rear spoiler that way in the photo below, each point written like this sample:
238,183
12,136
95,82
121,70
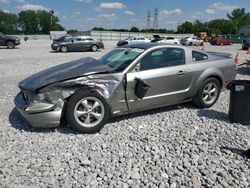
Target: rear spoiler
220,54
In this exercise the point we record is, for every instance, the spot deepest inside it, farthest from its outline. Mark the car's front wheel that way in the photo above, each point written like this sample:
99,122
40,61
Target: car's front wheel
208,93
94,48
87,112
64,49
10,45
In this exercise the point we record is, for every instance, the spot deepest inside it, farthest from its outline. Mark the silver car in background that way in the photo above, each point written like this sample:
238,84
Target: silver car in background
133,40
127,79
169,40
191,41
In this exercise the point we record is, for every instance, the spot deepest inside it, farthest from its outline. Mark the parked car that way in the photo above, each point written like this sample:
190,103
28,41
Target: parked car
220,41
78,43
191,41
169,40
132,40
9,41
246,44
127,79
156,38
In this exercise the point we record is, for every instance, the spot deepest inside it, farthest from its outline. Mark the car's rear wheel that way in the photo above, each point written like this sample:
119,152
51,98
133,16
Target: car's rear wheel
94,48
10,45
87,112
190,44
208,93
64,49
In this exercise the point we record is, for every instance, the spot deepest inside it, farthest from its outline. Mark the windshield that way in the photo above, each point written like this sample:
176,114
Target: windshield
121,58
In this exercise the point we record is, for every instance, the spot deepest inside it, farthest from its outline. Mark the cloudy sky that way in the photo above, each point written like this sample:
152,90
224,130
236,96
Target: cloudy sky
85,14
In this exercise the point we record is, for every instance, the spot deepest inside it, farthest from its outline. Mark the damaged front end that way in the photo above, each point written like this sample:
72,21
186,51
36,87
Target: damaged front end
44,107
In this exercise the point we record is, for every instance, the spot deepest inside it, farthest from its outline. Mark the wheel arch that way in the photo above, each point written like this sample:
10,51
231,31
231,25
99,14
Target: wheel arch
9,40
80,90
206,75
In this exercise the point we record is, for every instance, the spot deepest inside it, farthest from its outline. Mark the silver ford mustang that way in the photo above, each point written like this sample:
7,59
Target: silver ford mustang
127,79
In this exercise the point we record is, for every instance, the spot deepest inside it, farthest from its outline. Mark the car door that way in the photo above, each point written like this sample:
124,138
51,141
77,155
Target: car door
165,72
76,45
1,40
88,43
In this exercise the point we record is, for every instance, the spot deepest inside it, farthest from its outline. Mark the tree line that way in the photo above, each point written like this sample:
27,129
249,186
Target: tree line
41,22
227,26
29,22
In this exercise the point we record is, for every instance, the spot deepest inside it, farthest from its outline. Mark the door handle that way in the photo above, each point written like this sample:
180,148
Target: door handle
181,72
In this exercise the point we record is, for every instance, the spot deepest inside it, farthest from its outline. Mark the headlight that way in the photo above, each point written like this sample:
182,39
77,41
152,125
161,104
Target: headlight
52,96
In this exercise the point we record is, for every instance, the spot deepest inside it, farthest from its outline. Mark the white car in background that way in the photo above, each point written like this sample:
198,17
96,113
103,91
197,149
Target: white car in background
132,40
169,40
191,41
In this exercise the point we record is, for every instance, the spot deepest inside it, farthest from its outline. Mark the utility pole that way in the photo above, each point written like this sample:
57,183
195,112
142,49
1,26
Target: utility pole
148,21
155,25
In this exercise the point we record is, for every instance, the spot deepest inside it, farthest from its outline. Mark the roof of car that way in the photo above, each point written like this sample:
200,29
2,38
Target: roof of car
83,36
145,45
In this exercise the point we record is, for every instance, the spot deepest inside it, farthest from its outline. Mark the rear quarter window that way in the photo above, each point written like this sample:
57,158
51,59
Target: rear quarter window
199,56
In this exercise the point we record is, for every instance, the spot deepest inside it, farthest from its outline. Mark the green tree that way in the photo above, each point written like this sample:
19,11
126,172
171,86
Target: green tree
221,26
186,27
33,22
8,22
134,29
28,22
48,22
239,17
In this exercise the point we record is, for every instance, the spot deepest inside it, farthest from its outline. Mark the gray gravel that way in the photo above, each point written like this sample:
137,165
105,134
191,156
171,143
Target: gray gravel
176,146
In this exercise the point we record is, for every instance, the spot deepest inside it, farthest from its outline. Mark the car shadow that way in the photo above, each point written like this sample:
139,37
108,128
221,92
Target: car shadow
19,122
54,51
5,48
243,70
212,114
241,152
188,105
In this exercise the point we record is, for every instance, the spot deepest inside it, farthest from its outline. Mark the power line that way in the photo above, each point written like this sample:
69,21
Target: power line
148,21
155,25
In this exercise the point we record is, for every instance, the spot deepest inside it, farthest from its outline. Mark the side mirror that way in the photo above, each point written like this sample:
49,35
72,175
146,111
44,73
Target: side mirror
137,67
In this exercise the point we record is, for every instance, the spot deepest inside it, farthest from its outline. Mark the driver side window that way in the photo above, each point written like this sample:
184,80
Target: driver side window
161,58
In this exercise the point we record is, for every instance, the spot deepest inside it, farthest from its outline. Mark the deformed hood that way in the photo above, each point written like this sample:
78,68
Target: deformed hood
73,69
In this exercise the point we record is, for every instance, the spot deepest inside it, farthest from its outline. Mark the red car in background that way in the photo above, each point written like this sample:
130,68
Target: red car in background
220,41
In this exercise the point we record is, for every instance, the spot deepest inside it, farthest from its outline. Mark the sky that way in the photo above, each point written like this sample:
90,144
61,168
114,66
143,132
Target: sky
85,14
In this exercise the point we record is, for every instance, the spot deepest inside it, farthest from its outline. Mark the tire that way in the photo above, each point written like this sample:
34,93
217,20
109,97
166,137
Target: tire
10,45
64,49
208,93
94,48
190,44
87,112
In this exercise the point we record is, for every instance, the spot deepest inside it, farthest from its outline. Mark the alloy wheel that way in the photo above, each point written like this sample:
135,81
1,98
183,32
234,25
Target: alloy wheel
89,112
210,93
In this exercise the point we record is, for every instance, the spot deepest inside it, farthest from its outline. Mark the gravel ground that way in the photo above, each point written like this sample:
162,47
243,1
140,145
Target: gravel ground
176,146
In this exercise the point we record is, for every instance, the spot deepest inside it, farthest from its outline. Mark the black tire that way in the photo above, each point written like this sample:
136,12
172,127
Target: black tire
94,48
190,44
64,49
199,98
10,45
77,120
